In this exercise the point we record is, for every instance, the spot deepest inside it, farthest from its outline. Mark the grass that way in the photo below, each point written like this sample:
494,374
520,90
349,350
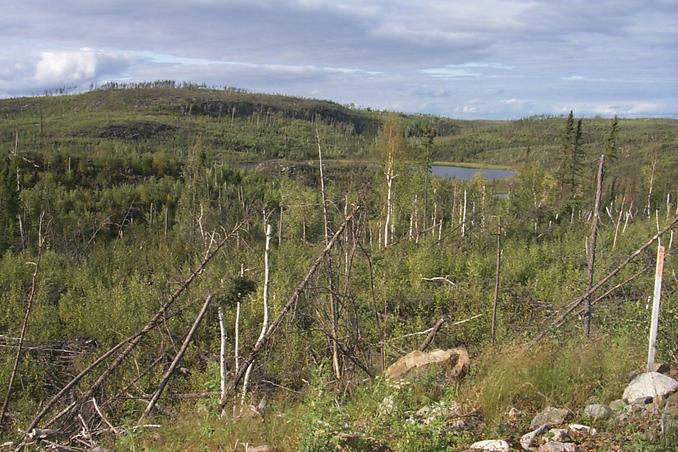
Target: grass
558,374
563,374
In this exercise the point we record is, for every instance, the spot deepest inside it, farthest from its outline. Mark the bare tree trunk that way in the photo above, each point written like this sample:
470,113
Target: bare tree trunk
463,217
333,305
222,354
592,248
264,325
387,223
616,228
177,358
496,284
649,192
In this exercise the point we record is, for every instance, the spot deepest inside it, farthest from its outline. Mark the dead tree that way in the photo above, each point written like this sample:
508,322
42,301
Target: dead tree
333,306
264,325
294,298
496,284
592,250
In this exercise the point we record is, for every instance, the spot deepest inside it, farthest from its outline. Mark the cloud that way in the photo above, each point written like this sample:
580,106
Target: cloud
434,56
34,73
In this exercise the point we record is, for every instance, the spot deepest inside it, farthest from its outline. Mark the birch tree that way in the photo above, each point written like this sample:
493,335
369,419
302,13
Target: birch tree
390,147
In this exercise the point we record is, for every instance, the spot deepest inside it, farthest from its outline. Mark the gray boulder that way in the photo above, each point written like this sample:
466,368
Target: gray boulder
650,384
494,445
529,440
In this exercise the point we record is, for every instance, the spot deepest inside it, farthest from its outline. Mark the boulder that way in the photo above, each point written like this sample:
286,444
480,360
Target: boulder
453,362
650,384
557,446
579,432
582,429
551,416
529,440
491,445
559,434
597,411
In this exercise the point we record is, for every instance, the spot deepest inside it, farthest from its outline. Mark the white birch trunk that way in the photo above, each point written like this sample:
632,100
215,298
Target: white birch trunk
264,326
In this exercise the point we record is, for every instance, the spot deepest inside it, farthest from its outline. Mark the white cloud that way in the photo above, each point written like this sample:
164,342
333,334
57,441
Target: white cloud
75,67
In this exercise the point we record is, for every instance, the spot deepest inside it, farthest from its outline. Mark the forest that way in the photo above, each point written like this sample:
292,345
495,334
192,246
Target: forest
190,268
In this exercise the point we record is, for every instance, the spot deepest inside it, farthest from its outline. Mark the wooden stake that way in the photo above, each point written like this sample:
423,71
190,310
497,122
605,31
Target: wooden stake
652,347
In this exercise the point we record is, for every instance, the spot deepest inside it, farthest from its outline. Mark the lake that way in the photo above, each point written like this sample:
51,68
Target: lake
458,172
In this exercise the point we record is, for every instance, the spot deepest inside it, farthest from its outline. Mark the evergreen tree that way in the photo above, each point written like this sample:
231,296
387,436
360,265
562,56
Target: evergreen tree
611,144
572,159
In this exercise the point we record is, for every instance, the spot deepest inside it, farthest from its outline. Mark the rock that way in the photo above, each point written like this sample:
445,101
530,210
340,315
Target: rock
559,434
582,429
618,405
454,362
557,446
551,416
263,448
491,445
597,411
650,384
579,432
529,440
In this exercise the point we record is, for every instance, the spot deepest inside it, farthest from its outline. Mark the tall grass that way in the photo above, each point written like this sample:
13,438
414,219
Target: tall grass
565,374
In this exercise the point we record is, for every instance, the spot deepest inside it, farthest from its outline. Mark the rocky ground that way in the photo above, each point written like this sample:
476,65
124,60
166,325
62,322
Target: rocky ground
647,413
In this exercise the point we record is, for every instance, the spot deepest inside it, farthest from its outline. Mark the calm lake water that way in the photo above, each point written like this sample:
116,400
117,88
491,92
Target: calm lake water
447,172
456,172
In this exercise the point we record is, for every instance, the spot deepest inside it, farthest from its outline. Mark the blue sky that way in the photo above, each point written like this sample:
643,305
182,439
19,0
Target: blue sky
465,59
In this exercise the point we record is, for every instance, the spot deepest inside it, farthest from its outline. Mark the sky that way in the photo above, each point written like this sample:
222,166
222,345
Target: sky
479,59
